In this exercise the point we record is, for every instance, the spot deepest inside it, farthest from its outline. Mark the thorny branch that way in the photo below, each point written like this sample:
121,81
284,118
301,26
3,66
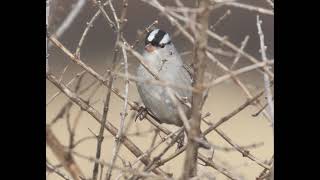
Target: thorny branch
129,144
51,168
123,114
70,18
63,156
108,95
192,24
133,105
198,61
265,76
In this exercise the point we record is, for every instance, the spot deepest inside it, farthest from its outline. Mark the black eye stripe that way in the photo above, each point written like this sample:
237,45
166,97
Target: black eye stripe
157,38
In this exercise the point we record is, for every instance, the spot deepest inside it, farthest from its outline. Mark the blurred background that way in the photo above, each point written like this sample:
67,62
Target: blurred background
97,52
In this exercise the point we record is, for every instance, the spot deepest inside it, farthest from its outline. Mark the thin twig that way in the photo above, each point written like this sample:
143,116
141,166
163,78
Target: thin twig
243,45
68,84
206,160
270,3
238,50
156,159
149,151
236,73
54,169
108,95
132,171
123,114
235,79
220,52
249,7
146,30
48,3
106,136
64,157
265,76
260,110
72,129
86,31
224,16
230,149
233,113
69,19
245,153
264,172
105,14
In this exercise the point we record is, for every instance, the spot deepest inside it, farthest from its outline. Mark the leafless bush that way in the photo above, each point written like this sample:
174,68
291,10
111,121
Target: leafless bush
191,21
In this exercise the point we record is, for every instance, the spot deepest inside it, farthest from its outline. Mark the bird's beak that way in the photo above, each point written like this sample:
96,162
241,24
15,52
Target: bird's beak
149,48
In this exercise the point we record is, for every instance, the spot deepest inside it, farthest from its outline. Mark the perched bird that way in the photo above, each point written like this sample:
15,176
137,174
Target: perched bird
161,55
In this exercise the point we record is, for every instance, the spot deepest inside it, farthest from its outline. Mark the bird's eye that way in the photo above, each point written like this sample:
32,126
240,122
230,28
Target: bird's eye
153,43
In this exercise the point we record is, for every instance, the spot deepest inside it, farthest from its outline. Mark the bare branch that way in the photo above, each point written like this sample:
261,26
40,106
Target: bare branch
68,84
133,105
54,169
265,76
224,16
245,153
105,14
132,171
236,59
201,40
128,143
123,114
233,113
192,22
64,157
270,3
48,3
249,7
70,18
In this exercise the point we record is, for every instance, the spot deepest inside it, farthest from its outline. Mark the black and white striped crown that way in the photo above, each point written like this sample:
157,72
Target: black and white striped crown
158,37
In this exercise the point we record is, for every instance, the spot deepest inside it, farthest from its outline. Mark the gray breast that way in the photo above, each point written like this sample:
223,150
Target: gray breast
169,67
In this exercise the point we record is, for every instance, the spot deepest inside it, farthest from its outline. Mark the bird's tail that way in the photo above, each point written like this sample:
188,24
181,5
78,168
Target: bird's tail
203,142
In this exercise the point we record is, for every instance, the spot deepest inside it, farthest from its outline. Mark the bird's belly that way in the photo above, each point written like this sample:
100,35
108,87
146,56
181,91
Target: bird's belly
156,97
157,100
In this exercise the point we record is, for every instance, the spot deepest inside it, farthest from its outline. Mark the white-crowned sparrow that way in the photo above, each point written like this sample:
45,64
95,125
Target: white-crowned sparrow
160,54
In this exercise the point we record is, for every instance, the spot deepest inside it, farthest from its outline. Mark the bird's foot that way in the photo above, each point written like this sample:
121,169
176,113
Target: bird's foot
142,113
180,142
203,142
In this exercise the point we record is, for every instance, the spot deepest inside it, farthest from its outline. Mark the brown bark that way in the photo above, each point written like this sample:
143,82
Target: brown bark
201,39
62,155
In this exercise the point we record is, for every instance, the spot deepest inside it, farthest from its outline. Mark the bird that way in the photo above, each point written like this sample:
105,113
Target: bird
161,55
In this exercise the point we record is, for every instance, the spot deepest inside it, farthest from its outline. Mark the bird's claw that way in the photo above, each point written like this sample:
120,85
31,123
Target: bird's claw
180,142
142,113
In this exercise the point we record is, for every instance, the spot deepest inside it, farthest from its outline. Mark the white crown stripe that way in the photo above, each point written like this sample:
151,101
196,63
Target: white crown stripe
152,34
165,39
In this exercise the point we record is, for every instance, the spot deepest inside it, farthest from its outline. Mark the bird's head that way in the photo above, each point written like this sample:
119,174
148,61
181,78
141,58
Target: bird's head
156,39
